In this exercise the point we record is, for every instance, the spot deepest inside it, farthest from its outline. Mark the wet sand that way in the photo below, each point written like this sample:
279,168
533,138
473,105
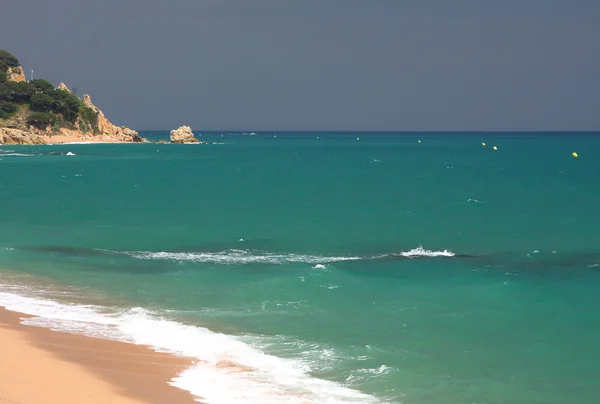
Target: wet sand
38,365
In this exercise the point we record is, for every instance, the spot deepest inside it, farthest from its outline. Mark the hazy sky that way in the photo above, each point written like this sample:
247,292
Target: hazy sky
322,64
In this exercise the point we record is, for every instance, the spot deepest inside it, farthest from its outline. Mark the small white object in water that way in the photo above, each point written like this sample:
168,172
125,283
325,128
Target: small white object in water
319,266
70,154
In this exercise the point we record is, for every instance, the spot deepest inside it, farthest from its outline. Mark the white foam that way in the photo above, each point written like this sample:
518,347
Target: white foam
228,369
238,257
421,252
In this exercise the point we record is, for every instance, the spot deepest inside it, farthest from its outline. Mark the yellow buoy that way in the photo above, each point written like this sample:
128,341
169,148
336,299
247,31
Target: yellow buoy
483,144
575,155
495,148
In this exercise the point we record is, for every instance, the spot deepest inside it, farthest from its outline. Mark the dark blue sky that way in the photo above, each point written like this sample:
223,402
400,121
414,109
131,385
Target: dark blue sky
330,65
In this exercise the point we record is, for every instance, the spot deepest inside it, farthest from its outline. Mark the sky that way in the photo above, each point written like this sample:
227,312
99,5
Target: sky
413,65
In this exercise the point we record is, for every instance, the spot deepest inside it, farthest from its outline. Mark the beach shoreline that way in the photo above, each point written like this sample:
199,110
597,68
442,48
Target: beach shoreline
66,139
42,365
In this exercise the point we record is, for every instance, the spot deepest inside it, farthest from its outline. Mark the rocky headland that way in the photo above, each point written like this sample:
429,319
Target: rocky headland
36,112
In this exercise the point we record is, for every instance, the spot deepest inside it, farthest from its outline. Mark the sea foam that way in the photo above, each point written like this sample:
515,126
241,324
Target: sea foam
235,256
421,252
228,369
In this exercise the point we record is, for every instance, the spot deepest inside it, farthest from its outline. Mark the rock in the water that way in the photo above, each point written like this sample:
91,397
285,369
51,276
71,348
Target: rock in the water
183,134
18,136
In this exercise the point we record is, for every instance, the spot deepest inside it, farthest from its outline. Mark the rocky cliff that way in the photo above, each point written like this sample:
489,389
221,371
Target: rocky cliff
16,74
107,129
18,136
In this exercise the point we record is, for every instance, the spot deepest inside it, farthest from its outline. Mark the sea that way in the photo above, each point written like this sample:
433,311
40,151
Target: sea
321,267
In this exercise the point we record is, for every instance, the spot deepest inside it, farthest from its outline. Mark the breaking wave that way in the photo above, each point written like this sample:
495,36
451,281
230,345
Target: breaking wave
228,370
233,257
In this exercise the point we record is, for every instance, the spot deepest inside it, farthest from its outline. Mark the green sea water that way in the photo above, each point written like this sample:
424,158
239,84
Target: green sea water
339,267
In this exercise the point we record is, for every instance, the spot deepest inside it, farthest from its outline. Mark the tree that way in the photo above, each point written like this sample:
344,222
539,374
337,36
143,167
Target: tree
89,116
42,120
6,60
42,85
41,102
20,92
7,109
65,103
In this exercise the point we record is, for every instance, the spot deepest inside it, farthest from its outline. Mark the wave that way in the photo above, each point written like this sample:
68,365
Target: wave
16,154
234,256
229,370
421,252
247,256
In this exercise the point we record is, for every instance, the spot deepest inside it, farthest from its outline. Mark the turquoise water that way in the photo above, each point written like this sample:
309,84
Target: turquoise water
289,250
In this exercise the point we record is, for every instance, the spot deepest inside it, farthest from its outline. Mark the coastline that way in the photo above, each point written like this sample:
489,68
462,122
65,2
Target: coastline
42,365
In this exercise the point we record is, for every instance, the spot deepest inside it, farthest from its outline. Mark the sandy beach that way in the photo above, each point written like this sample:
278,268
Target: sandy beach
68,139
38,365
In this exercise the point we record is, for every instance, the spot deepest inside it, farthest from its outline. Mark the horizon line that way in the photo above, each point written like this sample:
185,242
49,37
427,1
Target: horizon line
378,131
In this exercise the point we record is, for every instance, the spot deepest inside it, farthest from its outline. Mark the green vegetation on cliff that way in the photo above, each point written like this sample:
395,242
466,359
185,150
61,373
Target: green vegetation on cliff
49,106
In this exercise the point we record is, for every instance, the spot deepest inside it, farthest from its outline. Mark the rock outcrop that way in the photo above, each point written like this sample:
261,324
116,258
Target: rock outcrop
107,129
18,136
16,74
183,134
63,86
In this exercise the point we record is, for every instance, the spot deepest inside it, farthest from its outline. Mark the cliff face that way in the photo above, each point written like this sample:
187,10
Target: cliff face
107,129
16,74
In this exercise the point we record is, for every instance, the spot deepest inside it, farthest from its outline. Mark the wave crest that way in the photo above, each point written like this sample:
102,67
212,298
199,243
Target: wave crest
421,252
233,257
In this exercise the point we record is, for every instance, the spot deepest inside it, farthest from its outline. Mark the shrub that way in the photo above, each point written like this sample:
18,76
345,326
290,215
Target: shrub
7,109
7,59
67,104
41,120
89,117
4,92
42,85
40,102
19,92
